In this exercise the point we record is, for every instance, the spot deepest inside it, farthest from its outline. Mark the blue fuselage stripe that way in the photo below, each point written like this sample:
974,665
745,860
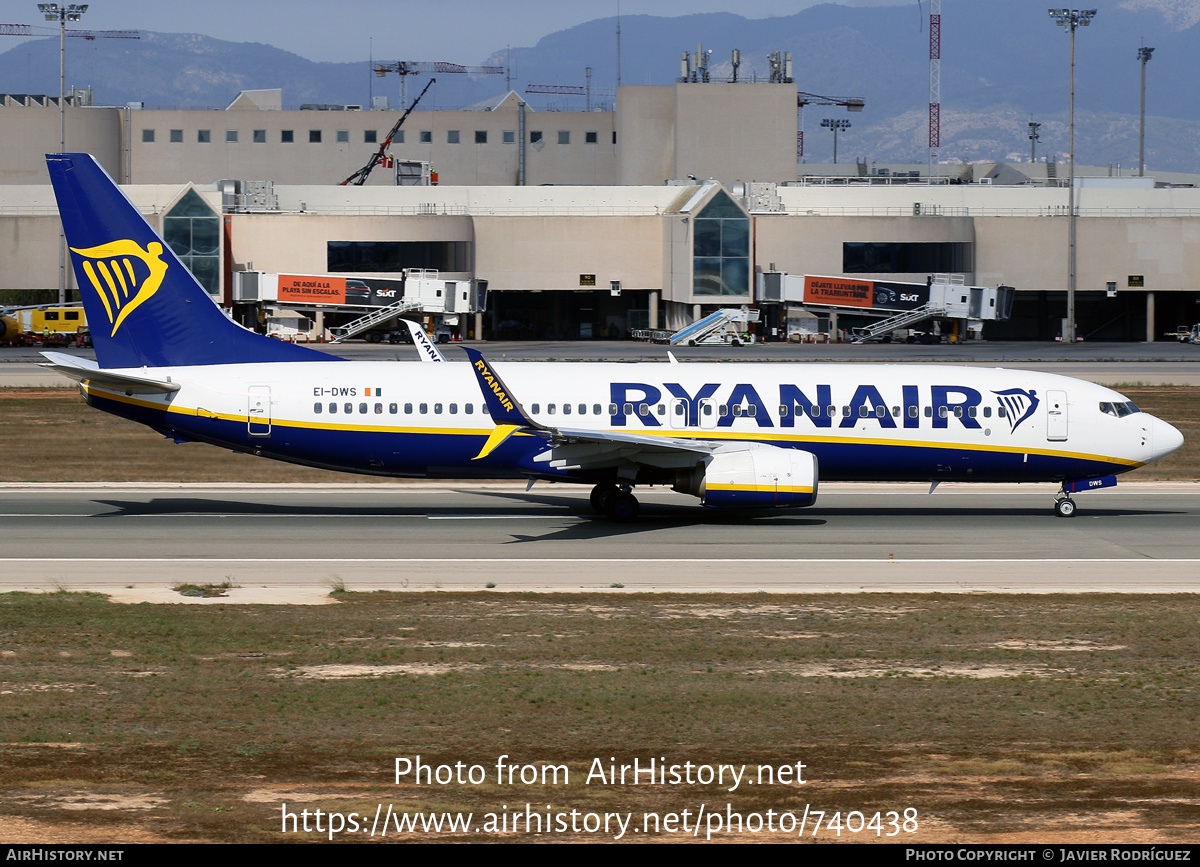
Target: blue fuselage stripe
448,455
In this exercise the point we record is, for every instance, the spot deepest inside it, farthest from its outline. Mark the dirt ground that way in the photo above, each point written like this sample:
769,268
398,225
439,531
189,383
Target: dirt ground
995,719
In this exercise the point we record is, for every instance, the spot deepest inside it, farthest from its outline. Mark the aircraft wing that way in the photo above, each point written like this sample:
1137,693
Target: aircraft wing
585,449
86,371
577,448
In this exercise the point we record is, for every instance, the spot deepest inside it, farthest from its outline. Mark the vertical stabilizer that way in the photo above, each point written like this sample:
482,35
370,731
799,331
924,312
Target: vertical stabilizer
144,307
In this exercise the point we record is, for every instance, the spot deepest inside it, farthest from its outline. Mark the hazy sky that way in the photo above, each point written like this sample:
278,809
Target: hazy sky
461,31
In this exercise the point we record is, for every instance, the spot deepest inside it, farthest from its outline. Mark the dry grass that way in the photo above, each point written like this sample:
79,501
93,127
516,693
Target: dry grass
173,723
51,435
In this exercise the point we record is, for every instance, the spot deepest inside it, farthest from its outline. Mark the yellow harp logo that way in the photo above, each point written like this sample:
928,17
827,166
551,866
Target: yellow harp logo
121,286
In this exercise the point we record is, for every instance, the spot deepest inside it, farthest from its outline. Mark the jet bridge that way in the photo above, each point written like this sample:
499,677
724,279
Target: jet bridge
371,302
897,305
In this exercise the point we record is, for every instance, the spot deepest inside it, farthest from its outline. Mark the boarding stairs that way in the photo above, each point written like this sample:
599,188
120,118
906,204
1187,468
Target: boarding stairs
900,320
377,317
714,328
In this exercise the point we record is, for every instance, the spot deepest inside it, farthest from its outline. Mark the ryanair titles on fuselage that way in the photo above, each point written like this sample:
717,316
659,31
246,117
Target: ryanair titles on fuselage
815,402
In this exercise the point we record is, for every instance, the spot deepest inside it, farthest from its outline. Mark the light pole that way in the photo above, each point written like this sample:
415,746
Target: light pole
1144,56
62,14
1069,19
1033,140
835,125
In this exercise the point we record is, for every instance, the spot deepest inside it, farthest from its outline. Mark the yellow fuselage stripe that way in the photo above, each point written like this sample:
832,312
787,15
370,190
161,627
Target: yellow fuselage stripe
701,435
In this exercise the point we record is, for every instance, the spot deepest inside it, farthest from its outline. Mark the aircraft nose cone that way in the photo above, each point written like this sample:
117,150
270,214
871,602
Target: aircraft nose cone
1167,439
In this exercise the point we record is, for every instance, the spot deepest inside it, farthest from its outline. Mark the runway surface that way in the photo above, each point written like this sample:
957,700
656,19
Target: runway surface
288,543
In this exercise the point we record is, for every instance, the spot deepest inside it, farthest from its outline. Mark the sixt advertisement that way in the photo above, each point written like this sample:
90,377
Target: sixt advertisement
867,294
324,289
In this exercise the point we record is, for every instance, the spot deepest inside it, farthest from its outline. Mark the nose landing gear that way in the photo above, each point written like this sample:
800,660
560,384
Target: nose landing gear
1064,506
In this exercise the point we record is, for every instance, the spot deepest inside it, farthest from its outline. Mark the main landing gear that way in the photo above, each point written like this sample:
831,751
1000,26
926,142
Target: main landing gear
1064,506
615,502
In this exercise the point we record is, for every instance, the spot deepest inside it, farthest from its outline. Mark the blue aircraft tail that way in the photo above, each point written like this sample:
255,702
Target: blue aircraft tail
144,307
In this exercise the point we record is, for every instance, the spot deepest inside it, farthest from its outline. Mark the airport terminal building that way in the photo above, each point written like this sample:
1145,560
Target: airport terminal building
591,224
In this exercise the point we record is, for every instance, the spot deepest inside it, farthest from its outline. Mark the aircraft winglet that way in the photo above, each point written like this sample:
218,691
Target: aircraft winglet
421,340
504,409
502,406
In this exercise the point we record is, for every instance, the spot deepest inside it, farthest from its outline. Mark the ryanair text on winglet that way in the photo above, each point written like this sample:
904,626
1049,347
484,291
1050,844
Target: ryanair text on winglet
490,379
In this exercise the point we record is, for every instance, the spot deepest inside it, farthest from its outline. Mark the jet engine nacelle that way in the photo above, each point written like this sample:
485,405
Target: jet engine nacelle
753,476
8,328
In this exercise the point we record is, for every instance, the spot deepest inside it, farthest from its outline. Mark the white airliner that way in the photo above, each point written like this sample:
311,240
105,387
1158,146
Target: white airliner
735,435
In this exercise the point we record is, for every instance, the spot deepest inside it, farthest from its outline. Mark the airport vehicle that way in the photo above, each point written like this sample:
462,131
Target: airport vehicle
1184,334
45,325
735,435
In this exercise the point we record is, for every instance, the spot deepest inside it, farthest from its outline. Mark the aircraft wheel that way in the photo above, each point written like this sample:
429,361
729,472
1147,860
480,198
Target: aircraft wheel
623,507
1065,508
602,495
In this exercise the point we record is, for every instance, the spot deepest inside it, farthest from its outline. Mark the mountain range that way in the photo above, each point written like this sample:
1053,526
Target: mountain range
1002,65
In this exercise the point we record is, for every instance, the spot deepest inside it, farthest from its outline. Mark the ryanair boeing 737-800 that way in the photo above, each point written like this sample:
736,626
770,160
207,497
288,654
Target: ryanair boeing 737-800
734,435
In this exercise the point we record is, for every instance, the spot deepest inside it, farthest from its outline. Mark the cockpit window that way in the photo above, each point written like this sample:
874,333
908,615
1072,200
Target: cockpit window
1119,409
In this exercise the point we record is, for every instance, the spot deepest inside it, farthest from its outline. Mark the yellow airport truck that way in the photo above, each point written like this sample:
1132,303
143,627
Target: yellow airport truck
46,326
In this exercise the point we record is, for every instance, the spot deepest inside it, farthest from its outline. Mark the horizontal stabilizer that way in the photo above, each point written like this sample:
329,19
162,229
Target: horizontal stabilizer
88,372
